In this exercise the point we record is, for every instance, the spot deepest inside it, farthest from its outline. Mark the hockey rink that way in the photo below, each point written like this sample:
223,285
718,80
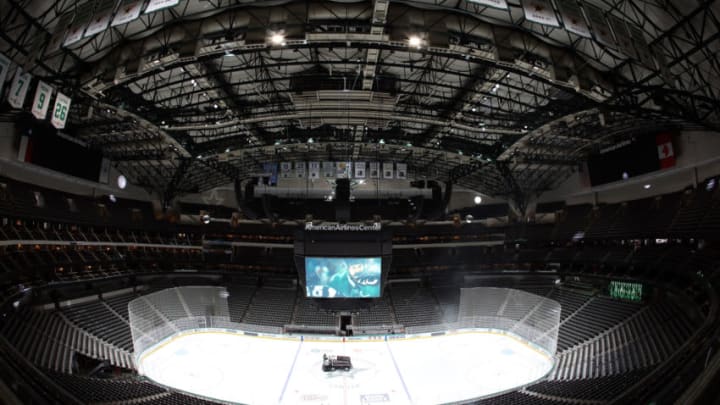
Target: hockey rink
285,370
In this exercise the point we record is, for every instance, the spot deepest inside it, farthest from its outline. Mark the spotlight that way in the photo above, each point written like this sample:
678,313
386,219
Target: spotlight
112,198
277,38
415,41
469,218
310,140
121,182
647,186
205,219
477,199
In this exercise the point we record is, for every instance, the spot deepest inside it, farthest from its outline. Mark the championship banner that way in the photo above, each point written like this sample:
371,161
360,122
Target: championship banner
600,28
314,170
359,170
129,10
60,111
641,47
540,11
343,169
19,88
300,170
101,18
80,22
622,35
58,35
502,4
401,171
666,154
285,169
387,170
41,100
374,170
573,18
155,5
4,67
328,169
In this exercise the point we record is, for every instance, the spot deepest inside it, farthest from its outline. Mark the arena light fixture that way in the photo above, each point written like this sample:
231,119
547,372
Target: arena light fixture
121,182
205,219
647,186
469,218
277,38
477,199
415,41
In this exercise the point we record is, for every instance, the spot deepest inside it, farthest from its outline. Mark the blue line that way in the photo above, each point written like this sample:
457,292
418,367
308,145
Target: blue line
287,380
397,369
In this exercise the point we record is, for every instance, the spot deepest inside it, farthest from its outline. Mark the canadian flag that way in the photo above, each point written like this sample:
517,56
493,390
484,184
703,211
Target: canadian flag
666,154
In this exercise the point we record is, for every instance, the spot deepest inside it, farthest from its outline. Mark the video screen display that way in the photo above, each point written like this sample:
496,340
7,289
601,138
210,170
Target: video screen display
626,291
343,277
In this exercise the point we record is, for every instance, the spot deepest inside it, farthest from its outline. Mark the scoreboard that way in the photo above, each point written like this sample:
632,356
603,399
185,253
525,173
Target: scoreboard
338,264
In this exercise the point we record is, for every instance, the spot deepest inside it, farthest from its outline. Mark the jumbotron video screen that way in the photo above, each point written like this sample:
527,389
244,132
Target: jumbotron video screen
343,277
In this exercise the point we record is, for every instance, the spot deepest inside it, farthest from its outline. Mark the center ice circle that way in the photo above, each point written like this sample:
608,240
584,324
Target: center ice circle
234,367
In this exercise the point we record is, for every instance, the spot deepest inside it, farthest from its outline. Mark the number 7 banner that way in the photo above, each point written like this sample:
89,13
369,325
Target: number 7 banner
42,100
18,89
60,111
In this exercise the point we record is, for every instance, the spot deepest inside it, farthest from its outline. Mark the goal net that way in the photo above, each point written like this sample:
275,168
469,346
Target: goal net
534,318
157,316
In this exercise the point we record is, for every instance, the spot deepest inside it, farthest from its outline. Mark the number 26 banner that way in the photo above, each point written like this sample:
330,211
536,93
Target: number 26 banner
60,111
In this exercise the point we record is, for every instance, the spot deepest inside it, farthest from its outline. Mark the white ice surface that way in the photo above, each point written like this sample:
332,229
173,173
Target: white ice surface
264,370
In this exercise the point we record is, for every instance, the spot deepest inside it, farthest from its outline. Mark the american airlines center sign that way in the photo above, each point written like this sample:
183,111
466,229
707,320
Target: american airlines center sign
334,226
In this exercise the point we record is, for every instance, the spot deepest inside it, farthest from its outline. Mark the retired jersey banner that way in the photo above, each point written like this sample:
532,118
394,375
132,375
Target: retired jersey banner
374,170
666,154
101,18
314,170
328,170
387,170
4,67
300,170
19,88
285,169
492,3
60,111
540,11
573,18
360,170
600,28
42,100
401,171
155,5
129,10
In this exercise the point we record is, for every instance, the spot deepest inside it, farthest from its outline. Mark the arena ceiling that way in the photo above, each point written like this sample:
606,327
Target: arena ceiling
193,96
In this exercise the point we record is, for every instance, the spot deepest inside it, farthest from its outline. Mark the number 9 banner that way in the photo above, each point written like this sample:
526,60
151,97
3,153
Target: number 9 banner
60,111
42,100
